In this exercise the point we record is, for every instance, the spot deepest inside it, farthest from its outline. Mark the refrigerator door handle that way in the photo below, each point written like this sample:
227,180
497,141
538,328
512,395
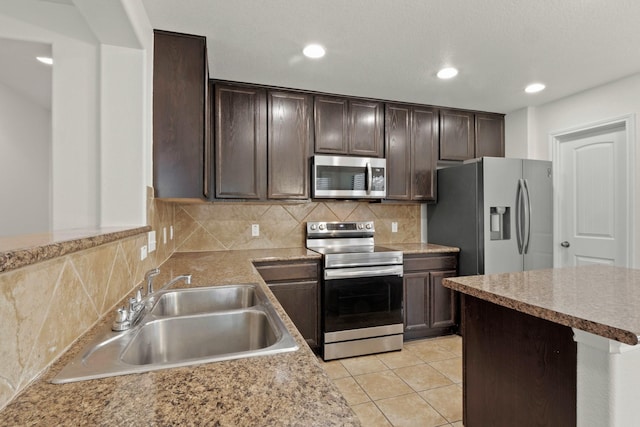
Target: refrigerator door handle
519,208
527,217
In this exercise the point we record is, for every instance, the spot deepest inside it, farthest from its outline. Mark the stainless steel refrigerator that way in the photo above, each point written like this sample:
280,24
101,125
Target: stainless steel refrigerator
498,211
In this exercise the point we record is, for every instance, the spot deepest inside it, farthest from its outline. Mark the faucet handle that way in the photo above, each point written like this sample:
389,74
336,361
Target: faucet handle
121,315
139,295
121,322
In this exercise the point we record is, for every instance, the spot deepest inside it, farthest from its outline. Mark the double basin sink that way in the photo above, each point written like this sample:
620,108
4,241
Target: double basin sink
185,327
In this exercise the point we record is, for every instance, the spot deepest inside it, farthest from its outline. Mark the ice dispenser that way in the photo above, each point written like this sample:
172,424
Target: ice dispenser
500,222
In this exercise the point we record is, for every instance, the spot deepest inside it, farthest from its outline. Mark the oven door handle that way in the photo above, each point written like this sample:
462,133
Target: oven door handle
349,273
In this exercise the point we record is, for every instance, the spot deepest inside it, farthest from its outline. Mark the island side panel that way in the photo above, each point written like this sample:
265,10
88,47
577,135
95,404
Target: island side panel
518,370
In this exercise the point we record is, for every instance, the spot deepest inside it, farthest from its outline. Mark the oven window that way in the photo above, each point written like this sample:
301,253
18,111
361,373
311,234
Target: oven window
362,302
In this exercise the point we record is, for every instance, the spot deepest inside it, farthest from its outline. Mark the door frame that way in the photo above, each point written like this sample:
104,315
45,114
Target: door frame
625,122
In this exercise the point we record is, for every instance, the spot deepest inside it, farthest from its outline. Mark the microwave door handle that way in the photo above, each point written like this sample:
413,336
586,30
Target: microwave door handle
369,178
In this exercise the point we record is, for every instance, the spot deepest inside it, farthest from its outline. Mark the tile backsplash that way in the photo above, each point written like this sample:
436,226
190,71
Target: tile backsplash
224,226
46,306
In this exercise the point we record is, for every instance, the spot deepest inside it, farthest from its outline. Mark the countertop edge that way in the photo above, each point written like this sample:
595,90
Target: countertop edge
596,328
13,259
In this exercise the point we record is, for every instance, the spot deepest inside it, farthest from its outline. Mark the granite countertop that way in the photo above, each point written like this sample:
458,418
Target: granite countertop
282,389
20,251
421,248
599,299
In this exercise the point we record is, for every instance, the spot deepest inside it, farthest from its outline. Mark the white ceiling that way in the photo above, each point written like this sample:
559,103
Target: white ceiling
392,49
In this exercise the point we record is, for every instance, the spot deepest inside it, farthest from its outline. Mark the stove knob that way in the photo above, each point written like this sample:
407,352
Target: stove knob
312,226
368,226
360,226
321,227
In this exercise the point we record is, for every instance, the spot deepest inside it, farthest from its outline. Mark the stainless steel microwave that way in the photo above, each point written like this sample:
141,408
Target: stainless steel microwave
342,177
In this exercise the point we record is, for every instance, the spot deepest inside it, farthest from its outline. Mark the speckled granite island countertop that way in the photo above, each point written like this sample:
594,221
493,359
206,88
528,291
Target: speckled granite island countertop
287,389
602,300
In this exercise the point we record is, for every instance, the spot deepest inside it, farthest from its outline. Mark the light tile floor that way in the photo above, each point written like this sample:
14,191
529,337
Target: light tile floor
418,386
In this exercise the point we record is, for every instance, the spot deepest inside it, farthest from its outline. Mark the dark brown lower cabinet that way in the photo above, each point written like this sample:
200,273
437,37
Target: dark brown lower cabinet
296,286
518,370
430,309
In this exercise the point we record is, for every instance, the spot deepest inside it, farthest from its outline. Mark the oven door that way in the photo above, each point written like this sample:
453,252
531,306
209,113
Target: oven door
361,302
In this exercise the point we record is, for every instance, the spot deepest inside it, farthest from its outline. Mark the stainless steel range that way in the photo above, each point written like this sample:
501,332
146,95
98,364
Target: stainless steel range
362,289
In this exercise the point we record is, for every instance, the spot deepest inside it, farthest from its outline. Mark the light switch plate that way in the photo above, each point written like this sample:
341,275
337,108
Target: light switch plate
151,240
171,232
164,235
255,230
143,252
394,227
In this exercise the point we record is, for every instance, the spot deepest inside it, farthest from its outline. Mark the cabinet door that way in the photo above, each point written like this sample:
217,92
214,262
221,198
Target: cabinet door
416,307
301,302
240,142
365,128
442,303
331,125
456,135
424,153
288,147
179,97
489,135
398,150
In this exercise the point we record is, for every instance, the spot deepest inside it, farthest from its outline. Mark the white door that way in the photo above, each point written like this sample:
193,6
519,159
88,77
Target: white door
592,215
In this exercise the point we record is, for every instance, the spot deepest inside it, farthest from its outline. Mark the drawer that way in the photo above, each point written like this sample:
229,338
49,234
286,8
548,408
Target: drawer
430,262
287,271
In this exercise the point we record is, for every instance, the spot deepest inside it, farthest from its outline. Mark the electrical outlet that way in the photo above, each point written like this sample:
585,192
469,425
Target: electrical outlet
255,230
394,227
171,232
151,241
143,252
164,235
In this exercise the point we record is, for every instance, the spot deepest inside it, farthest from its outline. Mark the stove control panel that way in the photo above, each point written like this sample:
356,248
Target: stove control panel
336,229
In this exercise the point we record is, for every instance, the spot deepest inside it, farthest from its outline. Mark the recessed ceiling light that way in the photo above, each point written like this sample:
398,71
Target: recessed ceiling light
45,60
313,51
447,73
534,87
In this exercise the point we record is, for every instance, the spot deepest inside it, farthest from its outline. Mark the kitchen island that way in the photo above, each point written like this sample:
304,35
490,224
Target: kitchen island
551,347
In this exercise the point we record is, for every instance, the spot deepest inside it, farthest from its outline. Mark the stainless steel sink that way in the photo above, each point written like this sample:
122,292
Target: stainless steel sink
184,338
206,300
246,325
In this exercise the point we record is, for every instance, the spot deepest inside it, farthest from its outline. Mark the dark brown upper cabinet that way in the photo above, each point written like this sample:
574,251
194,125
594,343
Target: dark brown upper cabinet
289,144
411,146
456,135
331,125
348,126
180,134
489,135
240,114
466,135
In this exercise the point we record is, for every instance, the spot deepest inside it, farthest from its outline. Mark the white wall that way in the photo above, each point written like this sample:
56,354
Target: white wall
74,101
612,100
101,119
25,135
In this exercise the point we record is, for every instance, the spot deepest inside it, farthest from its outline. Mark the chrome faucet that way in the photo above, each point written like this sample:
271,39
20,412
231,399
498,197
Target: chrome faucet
128,318
185,277
149,278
